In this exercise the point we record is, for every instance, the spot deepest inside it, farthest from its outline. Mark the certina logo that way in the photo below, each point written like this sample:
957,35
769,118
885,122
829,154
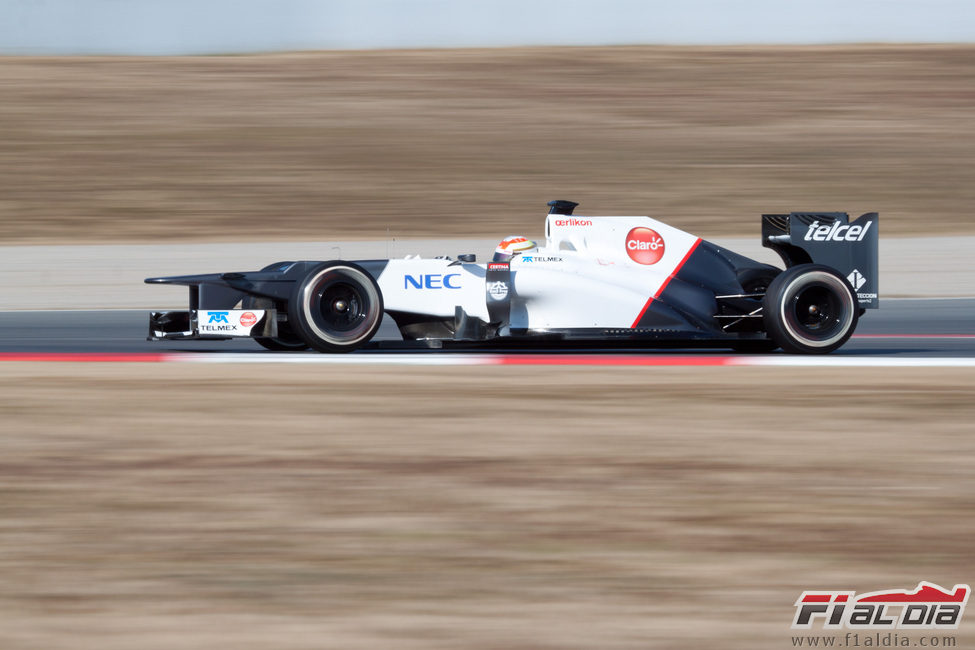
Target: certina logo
573,222
247,319
856,279
539,258
500,266
926,607
836,232
497,290
432,281
644,246
218,317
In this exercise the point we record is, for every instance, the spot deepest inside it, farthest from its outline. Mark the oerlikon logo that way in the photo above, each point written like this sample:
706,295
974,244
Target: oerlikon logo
644,246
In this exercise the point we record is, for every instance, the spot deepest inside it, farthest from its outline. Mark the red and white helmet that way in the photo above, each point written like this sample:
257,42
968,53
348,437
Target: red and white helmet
511,246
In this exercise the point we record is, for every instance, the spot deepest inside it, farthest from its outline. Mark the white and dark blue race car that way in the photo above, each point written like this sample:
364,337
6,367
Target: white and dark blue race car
596,281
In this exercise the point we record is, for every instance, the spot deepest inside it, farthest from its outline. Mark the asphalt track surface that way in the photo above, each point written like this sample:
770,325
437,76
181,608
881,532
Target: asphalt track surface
900,328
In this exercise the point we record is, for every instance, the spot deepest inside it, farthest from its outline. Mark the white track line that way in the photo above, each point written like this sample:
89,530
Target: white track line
341,359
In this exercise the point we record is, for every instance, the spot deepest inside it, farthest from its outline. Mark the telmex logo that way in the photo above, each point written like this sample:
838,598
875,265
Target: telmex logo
836,232
573,222
927,607
219,317
431,281
644,246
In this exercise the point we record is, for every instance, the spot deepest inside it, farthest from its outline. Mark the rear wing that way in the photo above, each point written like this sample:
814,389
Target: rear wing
829,238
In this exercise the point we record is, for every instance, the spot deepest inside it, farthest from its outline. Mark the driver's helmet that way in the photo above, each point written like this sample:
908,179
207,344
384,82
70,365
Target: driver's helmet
511,246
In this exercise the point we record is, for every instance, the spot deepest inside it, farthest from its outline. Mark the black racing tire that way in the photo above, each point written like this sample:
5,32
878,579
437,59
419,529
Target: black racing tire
285,341
336,307
810,309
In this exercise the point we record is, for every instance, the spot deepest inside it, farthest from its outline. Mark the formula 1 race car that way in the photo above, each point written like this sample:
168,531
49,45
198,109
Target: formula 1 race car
597,281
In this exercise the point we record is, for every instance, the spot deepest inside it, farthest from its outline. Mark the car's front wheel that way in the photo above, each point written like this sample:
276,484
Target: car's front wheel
810,309
336,307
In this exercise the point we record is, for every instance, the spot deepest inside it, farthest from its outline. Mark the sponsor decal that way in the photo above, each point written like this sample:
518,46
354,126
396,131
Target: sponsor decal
498,266
856,279
539,258
927,607
497,290
432,281
644,246
836,232
234,322
573,222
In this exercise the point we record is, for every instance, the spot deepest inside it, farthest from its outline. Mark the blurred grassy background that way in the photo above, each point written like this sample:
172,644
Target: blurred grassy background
291,506
345,145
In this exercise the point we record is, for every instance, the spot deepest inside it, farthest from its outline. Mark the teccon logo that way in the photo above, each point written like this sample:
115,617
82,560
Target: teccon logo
248,319
836,232
644,246
432,281
573,222
856,279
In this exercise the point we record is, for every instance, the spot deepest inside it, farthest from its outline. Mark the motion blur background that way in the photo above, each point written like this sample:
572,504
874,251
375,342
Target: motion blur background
345,144
280,507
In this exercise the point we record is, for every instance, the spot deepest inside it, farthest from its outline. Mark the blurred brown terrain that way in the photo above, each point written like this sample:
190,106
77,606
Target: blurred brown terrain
288,506
350,145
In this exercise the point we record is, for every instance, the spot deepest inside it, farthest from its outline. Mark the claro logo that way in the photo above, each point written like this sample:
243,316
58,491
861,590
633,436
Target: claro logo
644,246
836,232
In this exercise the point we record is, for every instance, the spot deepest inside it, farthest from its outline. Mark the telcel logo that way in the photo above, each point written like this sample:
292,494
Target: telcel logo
836,232
644,246
432,281
218,317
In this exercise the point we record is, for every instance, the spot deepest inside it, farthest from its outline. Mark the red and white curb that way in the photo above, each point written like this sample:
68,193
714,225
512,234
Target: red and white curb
462,359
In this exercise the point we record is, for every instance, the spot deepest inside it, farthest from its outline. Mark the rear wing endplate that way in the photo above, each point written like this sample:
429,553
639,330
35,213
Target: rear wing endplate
830,238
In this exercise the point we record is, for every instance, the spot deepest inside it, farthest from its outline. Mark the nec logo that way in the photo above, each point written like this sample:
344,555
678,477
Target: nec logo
218,317
431,281
836,232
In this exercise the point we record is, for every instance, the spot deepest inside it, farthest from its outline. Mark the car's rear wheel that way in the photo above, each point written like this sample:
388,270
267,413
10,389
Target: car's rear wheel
336,307
810,309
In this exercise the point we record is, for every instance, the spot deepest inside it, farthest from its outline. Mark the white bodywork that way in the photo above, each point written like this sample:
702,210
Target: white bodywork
591,272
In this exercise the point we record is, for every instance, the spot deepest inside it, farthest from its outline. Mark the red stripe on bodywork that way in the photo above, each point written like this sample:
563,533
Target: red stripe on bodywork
670,277
86,357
